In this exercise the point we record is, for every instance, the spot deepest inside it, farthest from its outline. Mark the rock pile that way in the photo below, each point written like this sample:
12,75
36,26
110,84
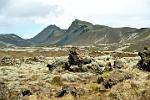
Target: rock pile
73,58
144,63
7,61
77,63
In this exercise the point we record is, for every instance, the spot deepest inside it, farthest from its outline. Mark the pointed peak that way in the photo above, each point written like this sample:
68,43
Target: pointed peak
77,20
53,26
80,22
78,25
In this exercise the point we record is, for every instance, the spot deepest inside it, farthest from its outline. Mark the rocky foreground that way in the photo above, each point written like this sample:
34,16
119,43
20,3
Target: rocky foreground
86,75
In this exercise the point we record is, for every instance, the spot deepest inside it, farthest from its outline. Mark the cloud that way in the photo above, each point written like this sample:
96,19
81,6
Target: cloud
108,12
4,22
3,3
21,16
29,8
26,10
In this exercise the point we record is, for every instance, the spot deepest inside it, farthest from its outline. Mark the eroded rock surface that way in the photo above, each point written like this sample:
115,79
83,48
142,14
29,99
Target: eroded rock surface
144,63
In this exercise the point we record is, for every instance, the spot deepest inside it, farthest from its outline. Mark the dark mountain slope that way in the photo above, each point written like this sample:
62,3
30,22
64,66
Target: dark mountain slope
14,40
50,35
85,33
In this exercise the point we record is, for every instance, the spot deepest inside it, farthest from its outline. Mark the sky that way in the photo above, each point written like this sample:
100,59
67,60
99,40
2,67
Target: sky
27,18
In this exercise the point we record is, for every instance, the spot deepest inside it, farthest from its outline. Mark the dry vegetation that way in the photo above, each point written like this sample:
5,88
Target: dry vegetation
34,80
20,54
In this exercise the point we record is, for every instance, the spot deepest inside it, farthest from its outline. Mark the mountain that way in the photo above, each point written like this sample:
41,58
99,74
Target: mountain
139,39
86,33
50,35
12,39
3,44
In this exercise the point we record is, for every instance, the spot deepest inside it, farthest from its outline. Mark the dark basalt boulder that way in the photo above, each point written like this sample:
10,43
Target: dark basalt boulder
73,58
26,92
144,62
51,67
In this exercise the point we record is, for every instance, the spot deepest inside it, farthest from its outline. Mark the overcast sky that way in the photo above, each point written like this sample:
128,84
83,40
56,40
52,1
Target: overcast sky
28,17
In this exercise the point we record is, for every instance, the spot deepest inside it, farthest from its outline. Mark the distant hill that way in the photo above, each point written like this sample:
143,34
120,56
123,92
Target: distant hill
85,33
12,39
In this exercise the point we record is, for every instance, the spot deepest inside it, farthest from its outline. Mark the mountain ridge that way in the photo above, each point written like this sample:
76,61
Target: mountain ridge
83,33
